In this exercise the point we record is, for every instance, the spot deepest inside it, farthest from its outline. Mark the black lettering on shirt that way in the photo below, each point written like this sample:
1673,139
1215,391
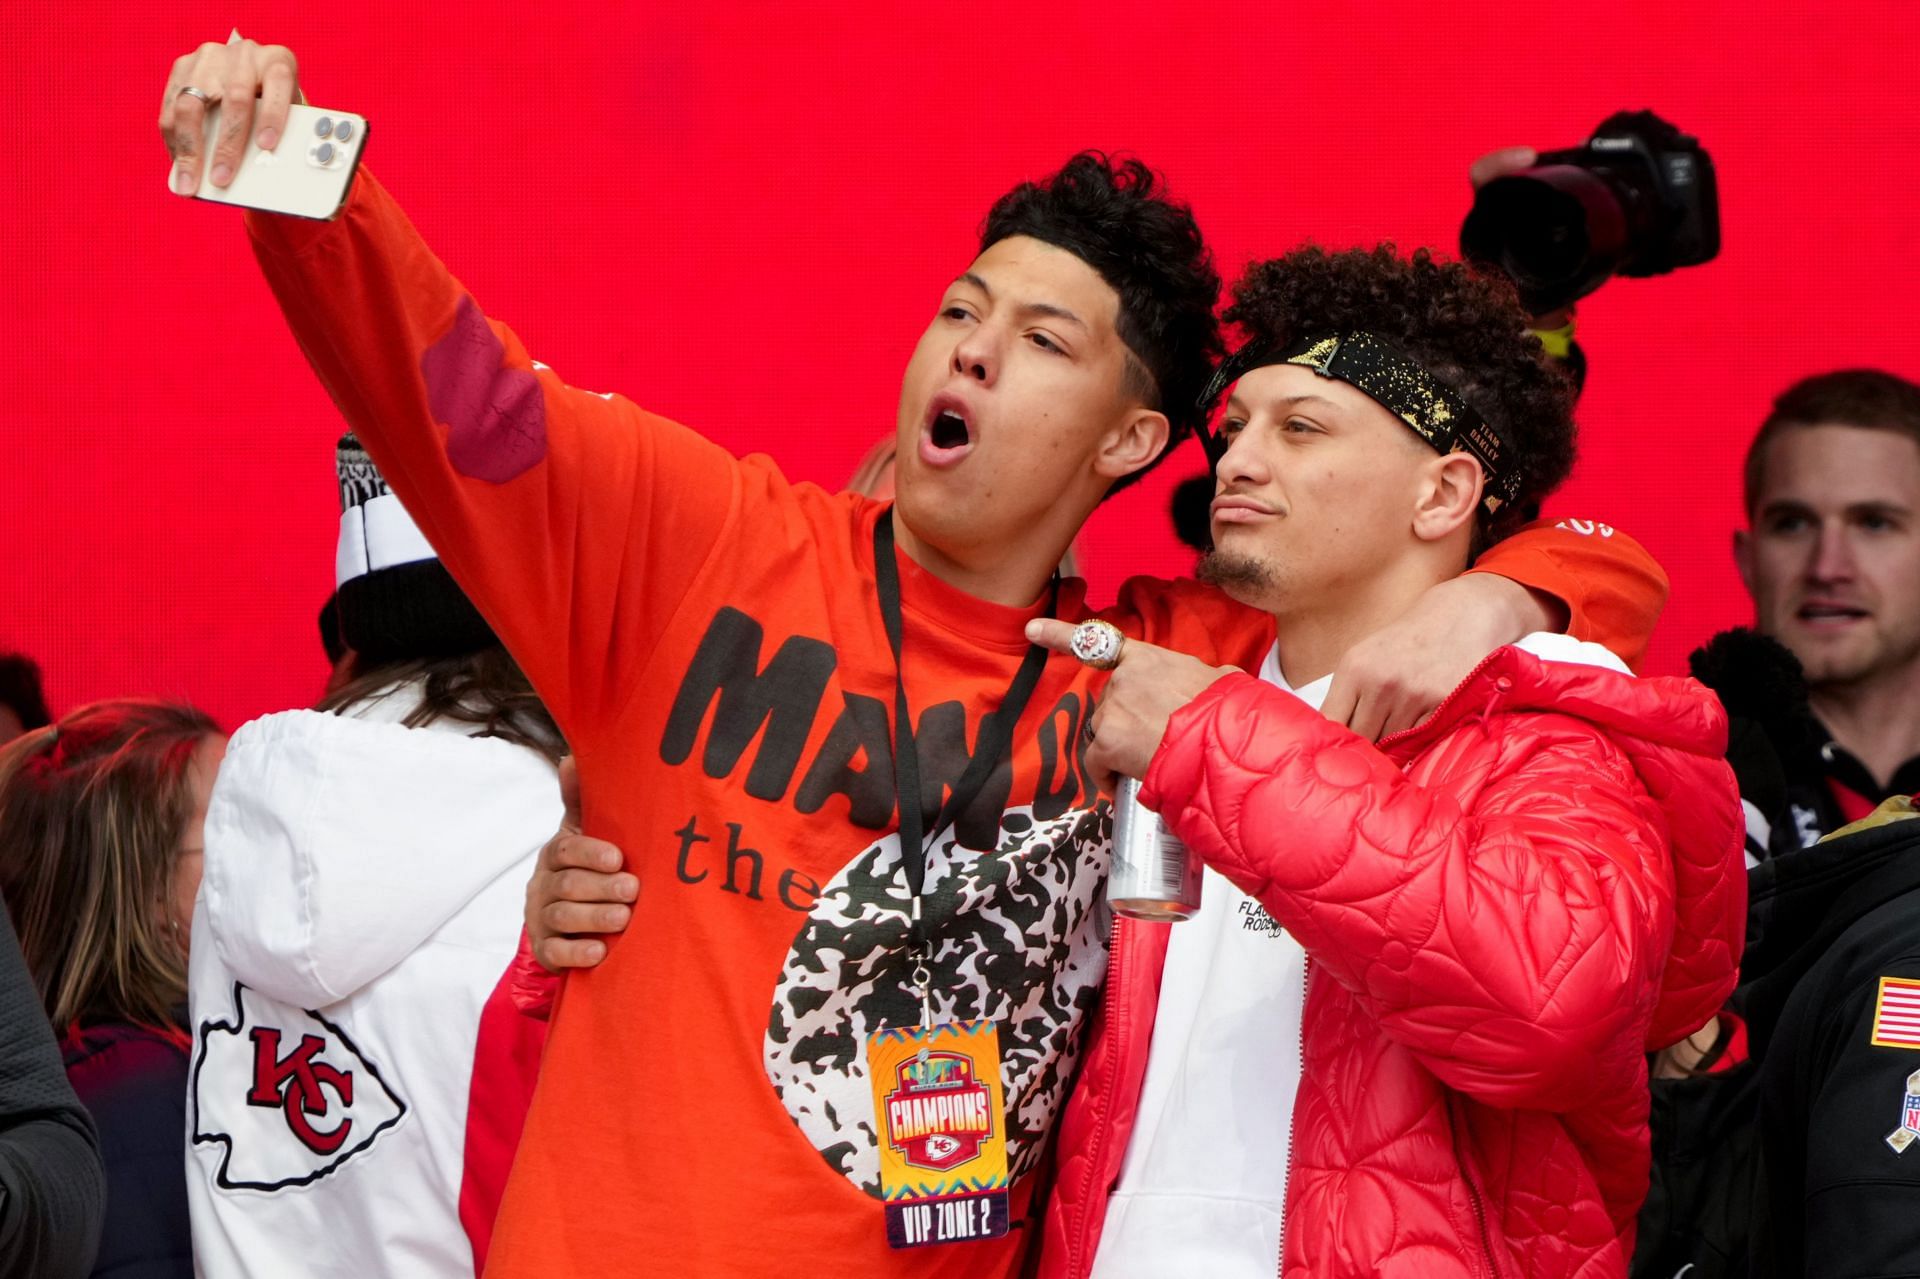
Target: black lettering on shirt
861,731
1062,725
784,698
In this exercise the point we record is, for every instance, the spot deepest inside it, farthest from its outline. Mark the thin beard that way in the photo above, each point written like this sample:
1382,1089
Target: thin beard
1240,576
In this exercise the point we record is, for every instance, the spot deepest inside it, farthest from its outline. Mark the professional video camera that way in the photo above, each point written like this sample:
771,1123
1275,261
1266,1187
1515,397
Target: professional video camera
1639,198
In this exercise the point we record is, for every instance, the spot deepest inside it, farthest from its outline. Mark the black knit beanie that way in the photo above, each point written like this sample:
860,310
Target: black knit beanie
395,599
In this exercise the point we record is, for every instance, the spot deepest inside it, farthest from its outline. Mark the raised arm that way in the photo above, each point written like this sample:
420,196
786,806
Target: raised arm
570,518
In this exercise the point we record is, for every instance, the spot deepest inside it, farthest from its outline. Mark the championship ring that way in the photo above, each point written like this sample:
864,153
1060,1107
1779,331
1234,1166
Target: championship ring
1098,644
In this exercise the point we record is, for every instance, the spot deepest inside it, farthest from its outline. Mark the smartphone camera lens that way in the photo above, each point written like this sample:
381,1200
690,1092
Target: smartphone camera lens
343,132
323,127
324,153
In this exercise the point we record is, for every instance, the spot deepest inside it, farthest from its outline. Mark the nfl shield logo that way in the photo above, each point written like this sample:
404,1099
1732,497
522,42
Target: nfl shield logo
1909,1130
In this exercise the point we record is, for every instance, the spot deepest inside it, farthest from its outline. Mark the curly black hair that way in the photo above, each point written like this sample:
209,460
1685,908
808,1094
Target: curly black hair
1465,328
1115,216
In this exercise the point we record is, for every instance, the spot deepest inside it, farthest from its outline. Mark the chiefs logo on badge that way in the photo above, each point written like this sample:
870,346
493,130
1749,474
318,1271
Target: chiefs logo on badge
938,1113
284,1095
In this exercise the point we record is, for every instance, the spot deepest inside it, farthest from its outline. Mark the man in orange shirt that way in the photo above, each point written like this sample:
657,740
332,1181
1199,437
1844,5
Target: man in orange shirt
749,674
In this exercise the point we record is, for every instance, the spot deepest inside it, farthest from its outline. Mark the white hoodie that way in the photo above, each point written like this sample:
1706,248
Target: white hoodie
362,899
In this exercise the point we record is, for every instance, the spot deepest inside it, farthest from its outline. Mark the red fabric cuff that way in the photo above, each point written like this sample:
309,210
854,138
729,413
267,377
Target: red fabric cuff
285,234
532,987
1731,1048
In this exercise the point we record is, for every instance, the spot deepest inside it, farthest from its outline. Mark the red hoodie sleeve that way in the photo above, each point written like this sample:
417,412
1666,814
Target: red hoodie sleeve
575,521
1612,588
1516,947
506,1066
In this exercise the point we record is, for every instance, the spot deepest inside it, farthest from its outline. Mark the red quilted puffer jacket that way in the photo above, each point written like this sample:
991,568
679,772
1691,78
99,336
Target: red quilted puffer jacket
1502,910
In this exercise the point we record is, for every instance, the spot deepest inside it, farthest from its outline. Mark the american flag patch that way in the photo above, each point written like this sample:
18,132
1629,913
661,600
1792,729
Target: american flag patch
1896,1013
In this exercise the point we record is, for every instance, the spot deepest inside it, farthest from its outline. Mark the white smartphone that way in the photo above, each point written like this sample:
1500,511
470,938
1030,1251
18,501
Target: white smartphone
308,175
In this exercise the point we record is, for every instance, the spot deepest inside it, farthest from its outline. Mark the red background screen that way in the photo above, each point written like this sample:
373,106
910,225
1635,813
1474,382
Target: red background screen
742,217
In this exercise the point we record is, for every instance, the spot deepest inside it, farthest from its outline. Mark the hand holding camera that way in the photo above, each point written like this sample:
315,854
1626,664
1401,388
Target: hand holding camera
1638,198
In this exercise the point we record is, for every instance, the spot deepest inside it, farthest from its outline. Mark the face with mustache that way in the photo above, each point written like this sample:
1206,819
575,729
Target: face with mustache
1322,494
1833,558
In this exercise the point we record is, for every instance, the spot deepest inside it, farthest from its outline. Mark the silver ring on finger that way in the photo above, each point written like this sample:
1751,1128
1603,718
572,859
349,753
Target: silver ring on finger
192,92
1098,644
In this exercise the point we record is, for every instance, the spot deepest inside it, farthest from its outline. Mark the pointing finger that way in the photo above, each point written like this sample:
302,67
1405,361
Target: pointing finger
1051,633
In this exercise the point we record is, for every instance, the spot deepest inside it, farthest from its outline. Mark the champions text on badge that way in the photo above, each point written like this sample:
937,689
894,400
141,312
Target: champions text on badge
943,1140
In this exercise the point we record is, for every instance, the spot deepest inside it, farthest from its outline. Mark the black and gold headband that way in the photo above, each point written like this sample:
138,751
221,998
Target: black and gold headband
1393,379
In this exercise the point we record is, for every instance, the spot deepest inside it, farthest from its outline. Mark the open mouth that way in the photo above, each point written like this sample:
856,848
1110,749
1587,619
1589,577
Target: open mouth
949,431
1826,613
948,434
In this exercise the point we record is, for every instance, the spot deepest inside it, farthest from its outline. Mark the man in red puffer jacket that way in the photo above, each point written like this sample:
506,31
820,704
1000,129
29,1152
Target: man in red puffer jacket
1405,1033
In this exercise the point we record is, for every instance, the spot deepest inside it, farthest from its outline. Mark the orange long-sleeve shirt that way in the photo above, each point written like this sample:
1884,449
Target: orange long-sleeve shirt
707,636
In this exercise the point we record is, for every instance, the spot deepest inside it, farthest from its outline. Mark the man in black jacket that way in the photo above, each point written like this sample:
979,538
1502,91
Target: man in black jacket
52,1192
1831,994
1799,1157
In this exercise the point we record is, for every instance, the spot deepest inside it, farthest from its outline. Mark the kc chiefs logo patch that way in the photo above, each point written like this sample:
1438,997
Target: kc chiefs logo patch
284,1095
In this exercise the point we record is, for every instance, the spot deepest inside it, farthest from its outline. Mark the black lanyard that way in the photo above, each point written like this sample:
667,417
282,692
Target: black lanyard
995,738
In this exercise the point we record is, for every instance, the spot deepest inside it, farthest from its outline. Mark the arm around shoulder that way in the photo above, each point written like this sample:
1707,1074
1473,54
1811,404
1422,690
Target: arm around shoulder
569,517
1611,589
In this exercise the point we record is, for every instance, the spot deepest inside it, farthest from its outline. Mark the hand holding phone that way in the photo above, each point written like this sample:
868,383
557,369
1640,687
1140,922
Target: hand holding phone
307,175
229,107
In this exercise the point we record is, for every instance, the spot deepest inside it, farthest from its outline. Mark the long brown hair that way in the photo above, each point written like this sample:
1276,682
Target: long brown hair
92,810
486,689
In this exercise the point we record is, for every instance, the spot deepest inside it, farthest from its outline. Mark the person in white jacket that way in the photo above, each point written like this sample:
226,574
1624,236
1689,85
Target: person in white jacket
365,869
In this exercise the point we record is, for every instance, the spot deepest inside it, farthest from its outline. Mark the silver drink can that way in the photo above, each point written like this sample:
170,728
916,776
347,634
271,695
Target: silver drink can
1154,876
